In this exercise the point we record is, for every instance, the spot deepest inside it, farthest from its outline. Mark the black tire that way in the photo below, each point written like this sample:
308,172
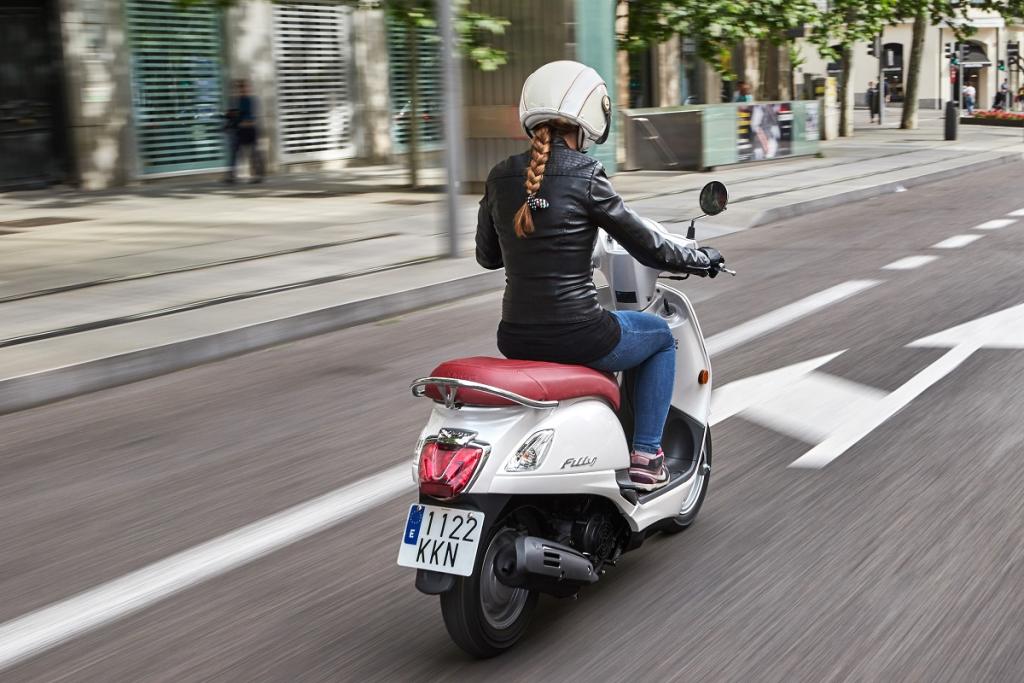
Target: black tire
477,631
682,521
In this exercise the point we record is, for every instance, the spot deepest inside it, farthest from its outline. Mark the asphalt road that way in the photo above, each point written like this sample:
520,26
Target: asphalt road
901,559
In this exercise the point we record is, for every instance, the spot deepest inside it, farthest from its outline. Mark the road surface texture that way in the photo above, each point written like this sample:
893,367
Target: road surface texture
899,558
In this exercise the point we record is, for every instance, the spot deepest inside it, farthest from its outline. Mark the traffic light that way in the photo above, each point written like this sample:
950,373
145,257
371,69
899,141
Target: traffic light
1012,51
1002,65
873,48
953,53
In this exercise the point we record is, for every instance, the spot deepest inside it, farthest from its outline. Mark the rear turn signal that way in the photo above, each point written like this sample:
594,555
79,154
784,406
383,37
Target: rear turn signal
446,470
531,453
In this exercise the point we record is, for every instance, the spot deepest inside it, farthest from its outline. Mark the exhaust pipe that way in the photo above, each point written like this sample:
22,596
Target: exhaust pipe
542,565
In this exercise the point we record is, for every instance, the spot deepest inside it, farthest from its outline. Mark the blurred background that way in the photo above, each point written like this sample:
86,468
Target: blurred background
233,232
100,94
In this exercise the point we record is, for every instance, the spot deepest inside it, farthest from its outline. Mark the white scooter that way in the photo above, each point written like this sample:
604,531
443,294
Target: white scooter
523,466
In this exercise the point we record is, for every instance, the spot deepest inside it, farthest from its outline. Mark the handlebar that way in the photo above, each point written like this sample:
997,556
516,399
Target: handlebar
721,269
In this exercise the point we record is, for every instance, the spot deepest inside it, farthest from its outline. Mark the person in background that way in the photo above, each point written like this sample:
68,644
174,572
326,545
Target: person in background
970,92
1020,97
743,93
1002,100
242,132
873,100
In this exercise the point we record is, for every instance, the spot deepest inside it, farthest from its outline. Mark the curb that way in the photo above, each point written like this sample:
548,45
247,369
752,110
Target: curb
812,205
29,391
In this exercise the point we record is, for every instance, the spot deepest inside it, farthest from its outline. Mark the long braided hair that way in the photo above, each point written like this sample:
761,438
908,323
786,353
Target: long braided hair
540,150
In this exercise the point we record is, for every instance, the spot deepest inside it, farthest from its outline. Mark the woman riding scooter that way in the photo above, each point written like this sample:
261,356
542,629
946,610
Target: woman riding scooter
539,219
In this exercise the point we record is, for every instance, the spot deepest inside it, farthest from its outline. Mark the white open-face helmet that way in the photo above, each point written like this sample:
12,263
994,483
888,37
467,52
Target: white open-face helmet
571,91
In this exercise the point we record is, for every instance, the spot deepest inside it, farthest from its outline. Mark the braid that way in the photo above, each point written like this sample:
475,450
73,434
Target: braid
540,150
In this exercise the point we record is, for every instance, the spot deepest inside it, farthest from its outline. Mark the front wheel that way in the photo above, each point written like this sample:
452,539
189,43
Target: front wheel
698,491
484,616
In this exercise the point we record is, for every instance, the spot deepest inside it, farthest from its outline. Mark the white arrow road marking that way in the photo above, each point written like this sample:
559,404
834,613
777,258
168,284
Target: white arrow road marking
910,262
1018,212
995,224
50,626
956,241
764,324
1004,330
736,397
815,407
795,400
856,429
1001,330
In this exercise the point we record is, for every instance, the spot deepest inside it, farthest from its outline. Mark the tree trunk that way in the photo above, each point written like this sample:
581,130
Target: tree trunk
413,150
846,93
765,86
910,98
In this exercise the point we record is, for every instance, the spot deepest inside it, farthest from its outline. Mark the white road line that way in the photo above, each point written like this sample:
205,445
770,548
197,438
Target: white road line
865,422
995,224
956,241
1018,212
61,621
50,626
768,322
910,262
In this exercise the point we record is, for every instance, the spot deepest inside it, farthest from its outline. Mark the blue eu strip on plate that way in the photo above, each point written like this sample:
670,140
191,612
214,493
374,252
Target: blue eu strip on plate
412,526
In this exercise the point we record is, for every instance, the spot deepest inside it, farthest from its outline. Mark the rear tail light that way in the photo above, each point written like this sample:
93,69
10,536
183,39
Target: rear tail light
446,470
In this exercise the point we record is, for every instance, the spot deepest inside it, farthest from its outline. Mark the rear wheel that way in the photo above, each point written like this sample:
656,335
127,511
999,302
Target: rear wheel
484,616
698,491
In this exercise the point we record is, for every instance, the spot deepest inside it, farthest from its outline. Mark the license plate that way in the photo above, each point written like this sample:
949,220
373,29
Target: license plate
441,539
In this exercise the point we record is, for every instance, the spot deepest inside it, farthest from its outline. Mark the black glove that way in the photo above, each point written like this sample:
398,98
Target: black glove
716,259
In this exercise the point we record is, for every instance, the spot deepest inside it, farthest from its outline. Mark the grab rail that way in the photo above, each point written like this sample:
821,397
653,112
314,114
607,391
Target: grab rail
450,387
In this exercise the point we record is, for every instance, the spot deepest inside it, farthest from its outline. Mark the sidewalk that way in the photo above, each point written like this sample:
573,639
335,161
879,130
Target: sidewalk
98,289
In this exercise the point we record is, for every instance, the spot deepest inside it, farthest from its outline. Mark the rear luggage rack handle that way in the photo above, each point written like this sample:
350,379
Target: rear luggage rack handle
450,386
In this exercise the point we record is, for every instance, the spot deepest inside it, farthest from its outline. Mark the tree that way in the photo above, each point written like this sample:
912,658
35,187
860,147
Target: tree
952,13
472,28
721,24
837,30
908,120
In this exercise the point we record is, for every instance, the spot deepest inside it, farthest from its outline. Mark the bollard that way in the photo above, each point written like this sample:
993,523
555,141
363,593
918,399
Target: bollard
952,120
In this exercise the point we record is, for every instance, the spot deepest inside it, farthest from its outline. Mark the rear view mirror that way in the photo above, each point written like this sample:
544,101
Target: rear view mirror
713,198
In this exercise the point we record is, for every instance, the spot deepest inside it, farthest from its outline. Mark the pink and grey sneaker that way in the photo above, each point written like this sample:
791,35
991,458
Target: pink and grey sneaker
648,472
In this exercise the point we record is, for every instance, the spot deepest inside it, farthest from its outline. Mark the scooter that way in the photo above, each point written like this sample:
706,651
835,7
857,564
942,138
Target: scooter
522,467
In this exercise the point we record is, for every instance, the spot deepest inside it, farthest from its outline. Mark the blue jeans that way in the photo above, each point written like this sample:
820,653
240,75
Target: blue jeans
647,345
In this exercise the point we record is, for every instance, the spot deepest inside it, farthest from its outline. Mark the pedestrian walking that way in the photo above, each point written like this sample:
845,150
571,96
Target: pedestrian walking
743,93
873,100
970,92
1002,100
243,132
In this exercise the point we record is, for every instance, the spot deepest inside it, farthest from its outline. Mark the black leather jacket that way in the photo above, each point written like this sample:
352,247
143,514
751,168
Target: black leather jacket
549,275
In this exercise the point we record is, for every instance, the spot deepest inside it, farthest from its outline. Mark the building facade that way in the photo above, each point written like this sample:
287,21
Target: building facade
984,50
103,93
34,144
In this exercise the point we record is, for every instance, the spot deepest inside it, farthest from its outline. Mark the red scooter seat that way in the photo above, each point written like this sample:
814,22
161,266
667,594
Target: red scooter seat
530,379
